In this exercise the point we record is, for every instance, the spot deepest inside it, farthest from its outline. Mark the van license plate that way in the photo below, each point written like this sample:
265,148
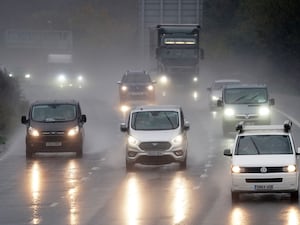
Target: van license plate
53,144
263,187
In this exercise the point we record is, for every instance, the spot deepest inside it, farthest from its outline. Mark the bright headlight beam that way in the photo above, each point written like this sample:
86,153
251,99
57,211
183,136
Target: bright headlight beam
73,131
235,169
229,112
264,111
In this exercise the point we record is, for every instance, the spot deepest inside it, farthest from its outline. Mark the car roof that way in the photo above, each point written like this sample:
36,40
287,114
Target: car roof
55,101
227,81
156,108
245,86
245,130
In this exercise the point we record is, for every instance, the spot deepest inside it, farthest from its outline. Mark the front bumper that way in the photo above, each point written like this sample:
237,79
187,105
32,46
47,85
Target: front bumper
261,183
178,154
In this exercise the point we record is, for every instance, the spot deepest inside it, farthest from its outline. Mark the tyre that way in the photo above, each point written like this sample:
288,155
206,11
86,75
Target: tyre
79,153
183,165
235,196
29,152
129,166
295,196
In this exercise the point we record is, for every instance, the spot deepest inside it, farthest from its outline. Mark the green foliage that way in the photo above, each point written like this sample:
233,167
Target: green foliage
12,103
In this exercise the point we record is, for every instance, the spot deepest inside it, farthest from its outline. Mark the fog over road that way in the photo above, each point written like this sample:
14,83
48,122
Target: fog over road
96,190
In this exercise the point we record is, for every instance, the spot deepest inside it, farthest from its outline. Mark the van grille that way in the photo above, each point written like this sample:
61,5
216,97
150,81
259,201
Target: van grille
155,146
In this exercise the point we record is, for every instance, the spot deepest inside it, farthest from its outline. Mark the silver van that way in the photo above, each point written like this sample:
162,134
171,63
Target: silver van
245,102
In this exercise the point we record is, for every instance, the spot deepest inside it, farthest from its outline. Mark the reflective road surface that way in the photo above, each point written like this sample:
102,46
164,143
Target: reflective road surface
96,190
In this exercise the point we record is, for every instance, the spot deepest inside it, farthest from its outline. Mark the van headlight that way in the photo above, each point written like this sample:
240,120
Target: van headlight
214,98
290,168
264,111
33,132
73,131
235,169
150,88
178,140
132,141
229,112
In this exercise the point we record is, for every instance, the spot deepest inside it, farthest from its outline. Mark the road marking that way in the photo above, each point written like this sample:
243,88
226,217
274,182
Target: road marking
289,117
54,204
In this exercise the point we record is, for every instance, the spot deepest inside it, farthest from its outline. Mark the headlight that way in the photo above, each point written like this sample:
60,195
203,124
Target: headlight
163,80
214,98
33,132
124,88
62,78
291,168
124,108
132,141
150,87
178,140
195,79
264,111
73,131
235,169
229,112
80,78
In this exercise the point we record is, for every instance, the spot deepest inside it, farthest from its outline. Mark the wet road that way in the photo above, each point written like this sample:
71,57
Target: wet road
96,190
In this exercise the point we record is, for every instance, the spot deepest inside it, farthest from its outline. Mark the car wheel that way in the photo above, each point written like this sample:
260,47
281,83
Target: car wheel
183,165
29,152
129,166
79,153
235,196
295,196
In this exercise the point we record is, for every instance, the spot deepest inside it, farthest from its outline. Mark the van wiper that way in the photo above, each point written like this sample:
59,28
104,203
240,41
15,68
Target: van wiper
170,121
240,98
256,148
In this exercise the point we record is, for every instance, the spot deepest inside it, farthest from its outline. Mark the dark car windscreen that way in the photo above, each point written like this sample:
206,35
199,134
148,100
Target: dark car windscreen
155,120
136,78
245,95
263,145
53,112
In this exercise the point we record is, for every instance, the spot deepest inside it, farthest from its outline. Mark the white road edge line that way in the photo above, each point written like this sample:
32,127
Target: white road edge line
289,117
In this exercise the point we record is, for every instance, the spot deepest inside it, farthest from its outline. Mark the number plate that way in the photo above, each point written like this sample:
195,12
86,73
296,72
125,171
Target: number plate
53,144
263,187
154,153
137,93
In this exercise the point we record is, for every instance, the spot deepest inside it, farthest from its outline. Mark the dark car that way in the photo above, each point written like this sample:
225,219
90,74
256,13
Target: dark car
54,126
136,86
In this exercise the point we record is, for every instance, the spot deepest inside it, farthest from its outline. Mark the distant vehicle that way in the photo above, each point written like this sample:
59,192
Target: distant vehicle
178,51
156,135
264,160
54,126
245,102
136,86
70,80
216,89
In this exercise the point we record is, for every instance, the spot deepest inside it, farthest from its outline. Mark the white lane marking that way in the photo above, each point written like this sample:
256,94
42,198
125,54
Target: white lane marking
54,204
288,116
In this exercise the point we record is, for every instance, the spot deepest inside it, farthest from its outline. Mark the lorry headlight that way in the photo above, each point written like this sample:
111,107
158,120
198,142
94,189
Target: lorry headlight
132,141
264,111
33,132
73,131
229,112
177,140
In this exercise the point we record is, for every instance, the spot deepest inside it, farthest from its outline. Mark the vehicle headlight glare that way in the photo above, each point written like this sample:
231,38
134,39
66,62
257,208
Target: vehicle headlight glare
61,78
229,112
73,131
235,169
291,168
132,141
264,111
163,79
33,132
150,87
80,78
124,88
178,140
214,98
